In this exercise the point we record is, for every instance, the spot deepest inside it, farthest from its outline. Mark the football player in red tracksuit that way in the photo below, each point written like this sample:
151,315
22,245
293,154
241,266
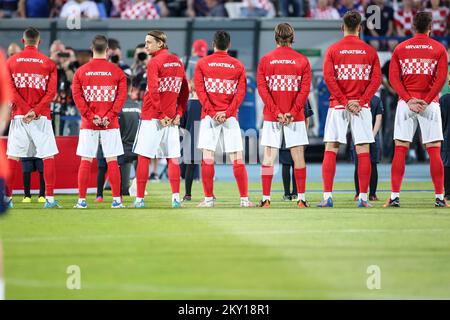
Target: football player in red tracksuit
33,79
99,90
165,101
352,73
220,84
284,80
418,71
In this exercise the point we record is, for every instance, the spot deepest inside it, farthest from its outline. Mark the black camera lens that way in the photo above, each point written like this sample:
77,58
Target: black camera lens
142,56
114,58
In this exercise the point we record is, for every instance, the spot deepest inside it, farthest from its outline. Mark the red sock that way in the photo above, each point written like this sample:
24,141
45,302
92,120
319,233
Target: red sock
142,175
436,169
364,171
49,176
13,166
84,173
114,178
266,179
328,170
398,168
208,177
300,179
174,175
240,174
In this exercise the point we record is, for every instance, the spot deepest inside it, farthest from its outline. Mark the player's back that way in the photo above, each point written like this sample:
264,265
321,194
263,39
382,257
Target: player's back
31,72
353,62
418,59
283,69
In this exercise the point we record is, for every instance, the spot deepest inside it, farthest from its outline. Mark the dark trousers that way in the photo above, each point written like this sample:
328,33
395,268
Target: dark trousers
191,170
447,181
125,169
27,184
286,174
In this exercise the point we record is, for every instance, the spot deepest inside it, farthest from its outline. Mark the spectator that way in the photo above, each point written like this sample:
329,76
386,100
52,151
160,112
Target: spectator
35,8
296,5
386,26
115,56
139,70
256,8
13,48
389,98
140,10
80,8
440,18
10,9
349,5
403,18
324,11
206,8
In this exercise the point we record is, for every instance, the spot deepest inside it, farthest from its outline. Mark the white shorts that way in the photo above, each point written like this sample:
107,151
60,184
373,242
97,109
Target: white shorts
35,139
89,140
228,133
337,123
429,121
155,141
294,134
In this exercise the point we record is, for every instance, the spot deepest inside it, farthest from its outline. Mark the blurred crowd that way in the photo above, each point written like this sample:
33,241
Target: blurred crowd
395,19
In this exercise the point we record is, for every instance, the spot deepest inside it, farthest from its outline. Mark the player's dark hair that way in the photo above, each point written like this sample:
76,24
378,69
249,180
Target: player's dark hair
222,40
113,44
352,20
284,34
31,36
422,22
160,36
99,44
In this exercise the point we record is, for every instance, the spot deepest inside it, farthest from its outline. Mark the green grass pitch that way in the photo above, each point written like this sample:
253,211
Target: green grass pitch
228,252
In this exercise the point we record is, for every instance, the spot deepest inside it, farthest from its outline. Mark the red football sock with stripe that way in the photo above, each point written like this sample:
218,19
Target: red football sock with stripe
398,168
13,167
142,173
240,174
266,179
174,174
364,171
114,178
49,176
328,170
300,179
84,173
208,177
436,169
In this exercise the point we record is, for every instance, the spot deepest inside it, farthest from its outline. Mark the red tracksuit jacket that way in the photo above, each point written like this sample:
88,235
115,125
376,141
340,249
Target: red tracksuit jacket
352,72
167,87
284,81
418,68
99,88
33,80
220,83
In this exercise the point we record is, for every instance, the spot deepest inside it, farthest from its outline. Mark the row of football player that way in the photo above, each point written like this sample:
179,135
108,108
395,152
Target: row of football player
351,70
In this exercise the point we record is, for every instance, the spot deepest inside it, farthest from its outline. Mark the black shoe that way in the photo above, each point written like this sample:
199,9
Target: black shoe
187,198
392,203
264,204
441,203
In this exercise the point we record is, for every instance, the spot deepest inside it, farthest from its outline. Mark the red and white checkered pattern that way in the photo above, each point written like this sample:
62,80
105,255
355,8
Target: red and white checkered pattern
440,20
220,86
353,71
284,82
172,84
30,80
418,66
99,93
140,10
403,20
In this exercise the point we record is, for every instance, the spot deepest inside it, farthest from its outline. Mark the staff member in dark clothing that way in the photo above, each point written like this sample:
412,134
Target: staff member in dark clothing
287,162
377,109
129,124
30,165
444,102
